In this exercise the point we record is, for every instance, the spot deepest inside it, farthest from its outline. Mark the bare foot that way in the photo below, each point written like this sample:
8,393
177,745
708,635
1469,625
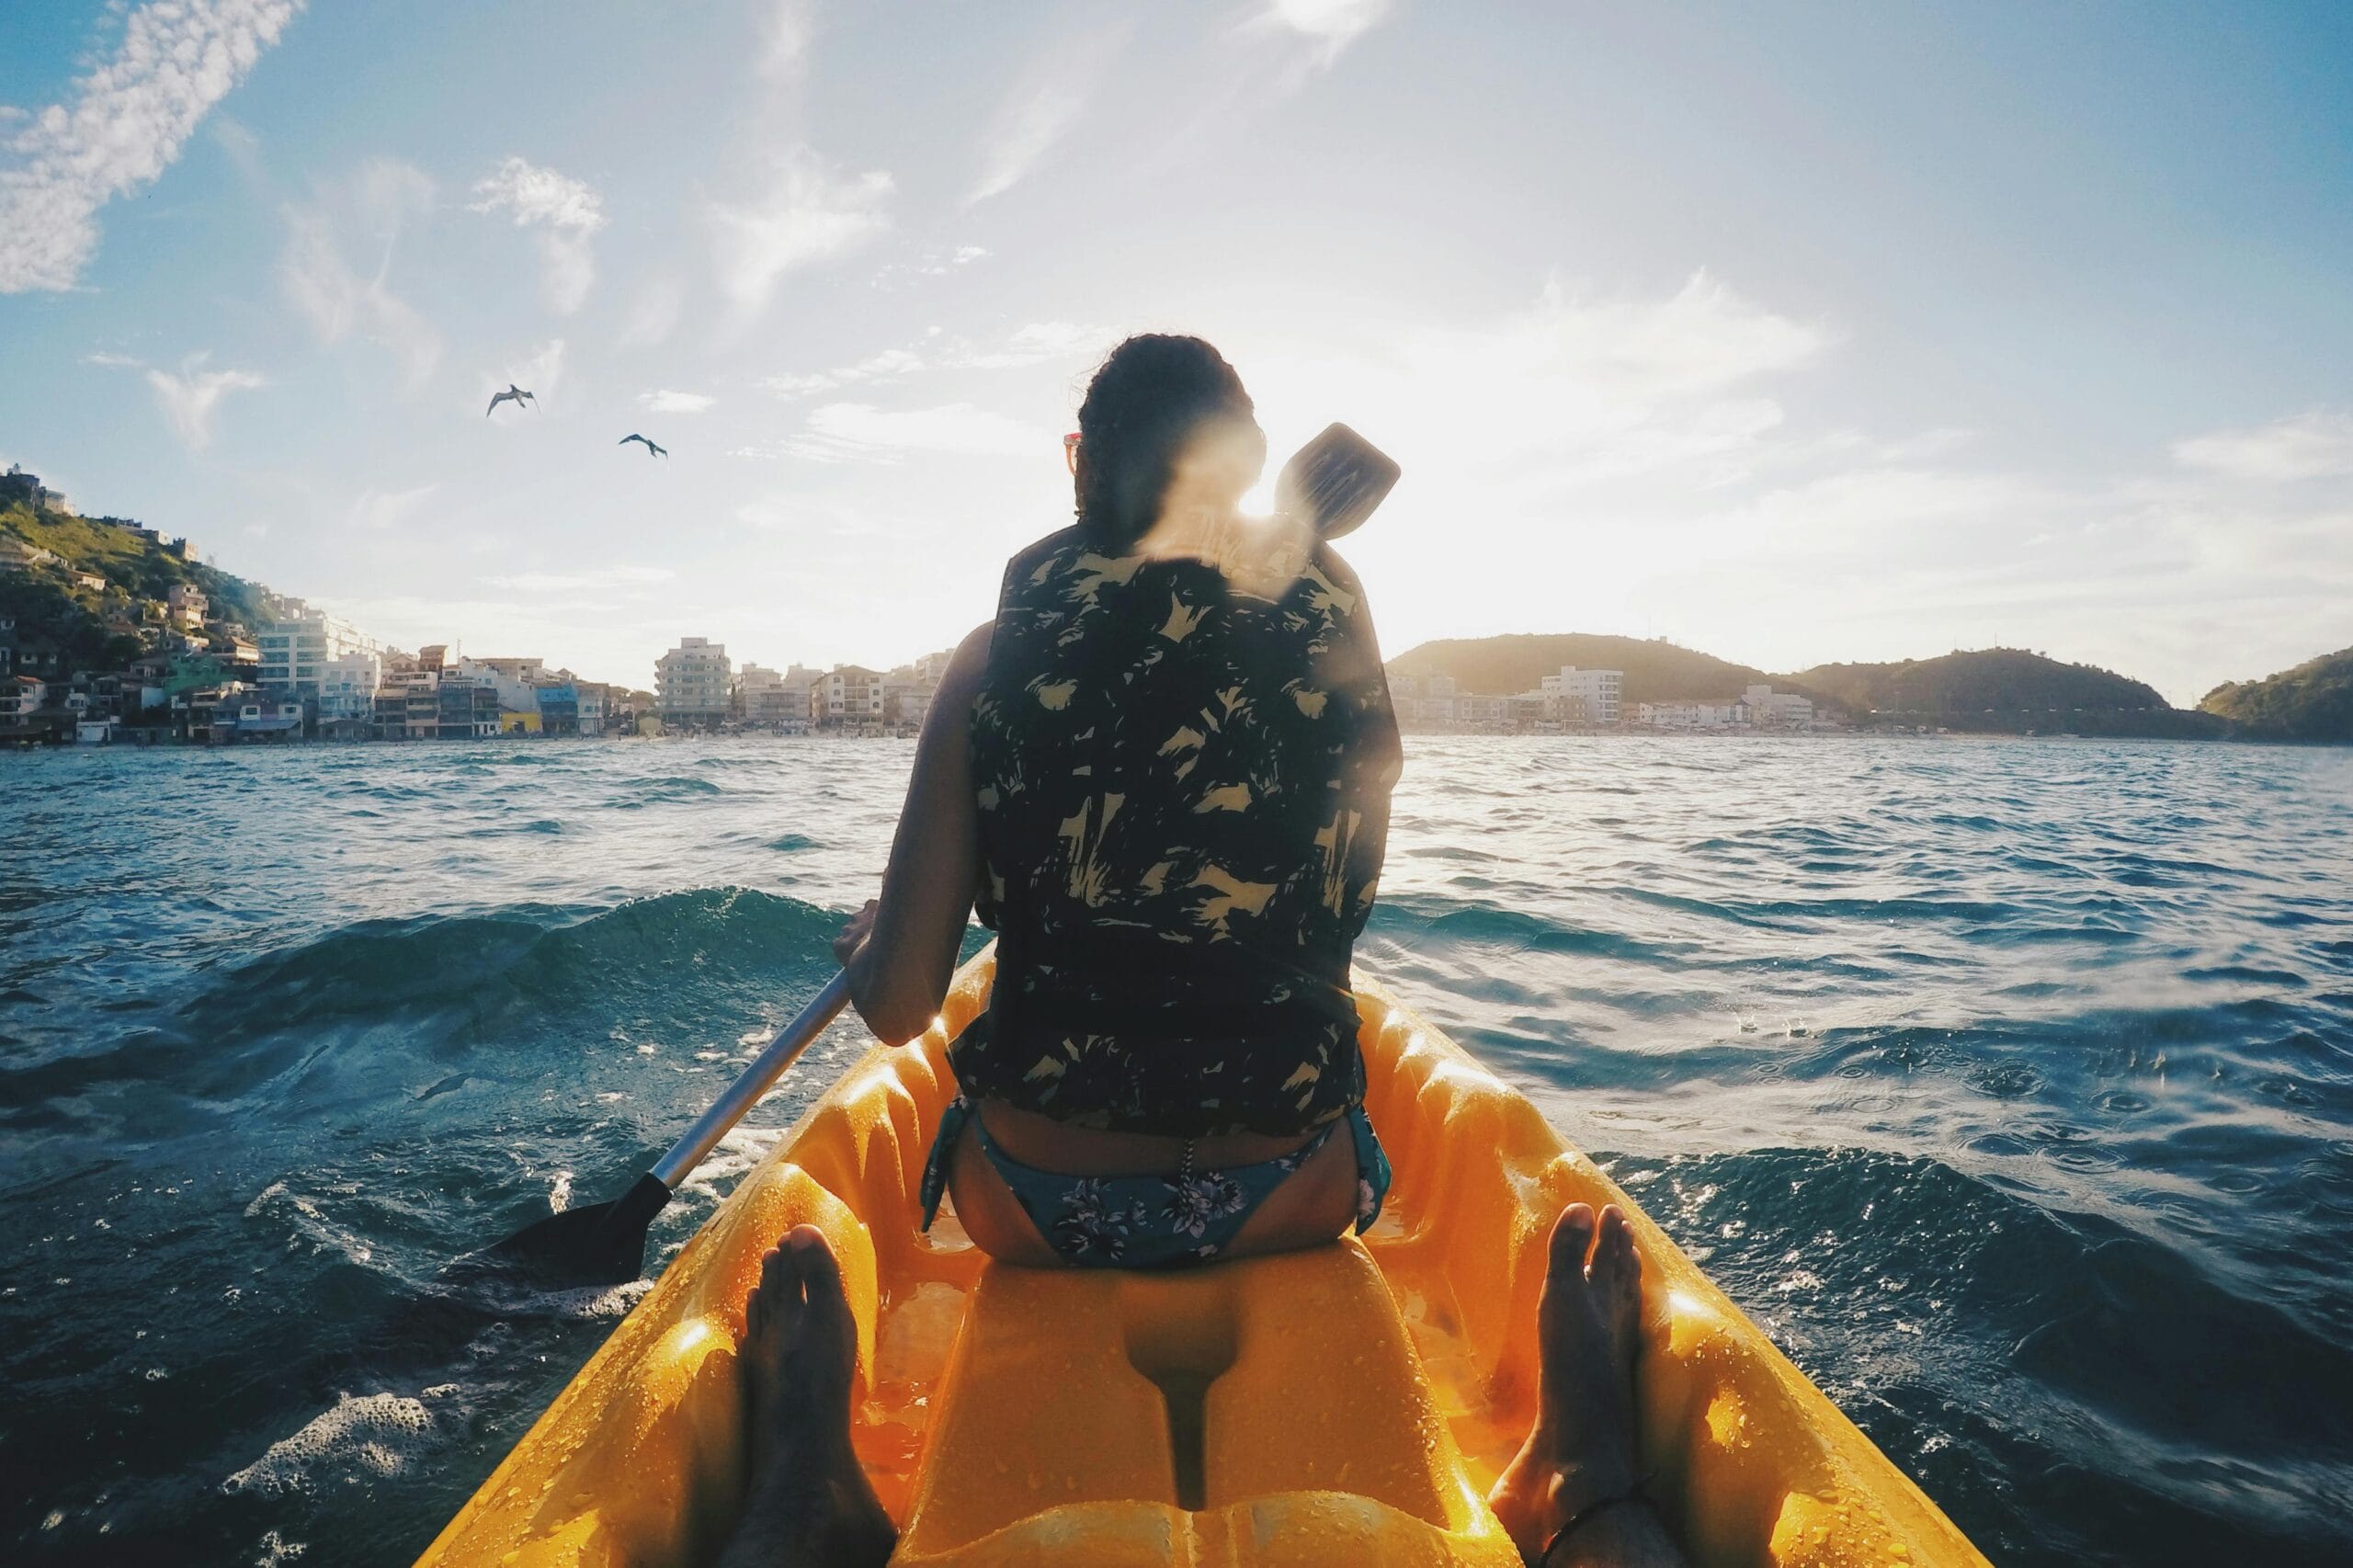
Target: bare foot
807,1501
1580,1452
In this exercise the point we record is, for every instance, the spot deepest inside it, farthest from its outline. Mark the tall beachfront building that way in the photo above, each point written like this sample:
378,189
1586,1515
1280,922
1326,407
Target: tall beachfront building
296,650
691,683
1598,690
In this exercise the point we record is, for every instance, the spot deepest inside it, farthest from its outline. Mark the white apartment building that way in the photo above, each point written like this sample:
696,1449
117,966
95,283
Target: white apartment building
847,694
348,688
1597,690
1767,707
1689,715
295,650
691,683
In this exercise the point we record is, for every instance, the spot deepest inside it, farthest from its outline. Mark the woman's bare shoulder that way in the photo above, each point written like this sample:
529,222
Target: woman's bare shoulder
966,666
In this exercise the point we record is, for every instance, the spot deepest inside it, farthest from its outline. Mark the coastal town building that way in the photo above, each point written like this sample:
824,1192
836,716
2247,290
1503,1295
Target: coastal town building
1588,696
847,694
186,606
21,697
692,685
1770,709
294,650
516,680
347,694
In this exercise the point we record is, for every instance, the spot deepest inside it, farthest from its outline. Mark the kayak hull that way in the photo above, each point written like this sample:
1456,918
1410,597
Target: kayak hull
1342,1405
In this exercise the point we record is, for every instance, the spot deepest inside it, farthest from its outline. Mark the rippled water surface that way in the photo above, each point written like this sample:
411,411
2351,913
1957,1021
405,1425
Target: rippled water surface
2008,1084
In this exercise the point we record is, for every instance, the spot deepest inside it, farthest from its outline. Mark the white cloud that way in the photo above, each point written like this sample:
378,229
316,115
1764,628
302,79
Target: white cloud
1035,343
561,583
930,264
843,432
380,509
566,211
787,30
668,402
190,398
653,317
2307,446
889,362
1042,107
370,210
813,212
126,124
1330,26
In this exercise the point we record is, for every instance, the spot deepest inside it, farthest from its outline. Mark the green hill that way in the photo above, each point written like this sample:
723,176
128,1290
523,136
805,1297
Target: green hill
1656,671
2311,702
2005,691
50,606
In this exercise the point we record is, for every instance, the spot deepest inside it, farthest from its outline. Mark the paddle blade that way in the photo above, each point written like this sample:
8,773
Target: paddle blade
602,1244
1335,481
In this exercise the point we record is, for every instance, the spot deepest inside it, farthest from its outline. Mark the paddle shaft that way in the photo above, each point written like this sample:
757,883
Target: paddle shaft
783,1049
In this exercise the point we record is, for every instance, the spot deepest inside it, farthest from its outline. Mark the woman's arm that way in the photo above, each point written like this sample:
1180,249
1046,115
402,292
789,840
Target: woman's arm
901,949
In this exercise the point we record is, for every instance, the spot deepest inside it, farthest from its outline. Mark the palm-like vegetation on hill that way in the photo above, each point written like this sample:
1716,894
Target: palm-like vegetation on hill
2311,702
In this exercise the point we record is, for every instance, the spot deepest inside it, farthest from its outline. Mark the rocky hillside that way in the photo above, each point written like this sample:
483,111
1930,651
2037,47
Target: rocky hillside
51,605
2311,702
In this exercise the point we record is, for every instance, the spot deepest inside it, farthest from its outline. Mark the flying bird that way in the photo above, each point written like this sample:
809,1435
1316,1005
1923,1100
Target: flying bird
651,449
513,394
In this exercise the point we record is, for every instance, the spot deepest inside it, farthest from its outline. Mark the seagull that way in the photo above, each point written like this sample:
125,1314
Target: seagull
513,394
651,449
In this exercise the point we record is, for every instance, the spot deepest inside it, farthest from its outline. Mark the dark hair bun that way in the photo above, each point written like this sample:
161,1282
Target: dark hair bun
1151,397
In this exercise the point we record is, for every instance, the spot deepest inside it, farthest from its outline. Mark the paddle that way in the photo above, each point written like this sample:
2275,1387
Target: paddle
604,1244
1335,481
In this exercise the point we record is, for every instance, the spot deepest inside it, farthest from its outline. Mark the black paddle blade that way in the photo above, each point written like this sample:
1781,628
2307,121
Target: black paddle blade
602,1244
1335,481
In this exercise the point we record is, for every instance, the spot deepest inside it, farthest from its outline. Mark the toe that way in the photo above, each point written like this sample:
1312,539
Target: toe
821,1272
1617,1277
1572,1238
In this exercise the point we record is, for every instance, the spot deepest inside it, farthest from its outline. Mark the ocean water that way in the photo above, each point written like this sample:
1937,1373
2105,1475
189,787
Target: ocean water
2009,1084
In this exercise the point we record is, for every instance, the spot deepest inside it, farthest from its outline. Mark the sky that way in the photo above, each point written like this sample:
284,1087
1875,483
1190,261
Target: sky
1794,333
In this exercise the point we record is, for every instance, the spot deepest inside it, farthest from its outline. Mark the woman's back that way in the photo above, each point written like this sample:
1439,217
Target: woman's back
1183,771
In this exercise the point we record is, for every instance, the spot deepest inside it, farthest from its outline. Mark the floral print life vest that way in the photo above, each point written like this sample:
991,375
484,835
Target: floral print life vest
1183,774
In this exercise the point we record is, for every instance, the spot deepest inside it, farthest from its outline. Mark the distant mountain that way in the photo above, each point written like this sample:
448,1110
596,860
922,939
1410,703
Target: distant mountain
2005,691
2311,702
1656,671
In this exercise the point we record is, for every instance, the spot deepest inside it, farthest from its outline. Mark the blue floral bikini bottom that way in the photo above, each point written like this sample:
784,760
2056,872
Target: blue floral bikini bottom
1149,1221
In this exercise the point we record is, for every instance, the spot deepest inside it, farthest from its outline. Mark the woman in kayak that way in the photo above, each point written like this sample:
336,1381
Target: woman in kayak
1163,773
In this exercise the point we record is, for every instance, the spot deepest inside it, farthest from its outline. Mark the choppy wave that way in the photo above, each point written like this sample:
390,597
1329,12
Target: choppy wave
2010,1085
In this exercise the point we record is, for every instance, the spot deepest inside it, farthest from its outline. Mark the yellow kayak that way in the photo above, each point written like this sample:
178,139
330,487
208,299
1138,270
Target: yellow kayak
1343,1406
